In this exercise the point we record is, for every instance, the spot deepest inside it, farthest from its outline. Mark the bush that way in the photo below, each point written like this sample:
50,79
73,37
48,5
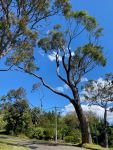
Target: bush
2,123
74,137
35,132
40,133
77,135
69,139
48,134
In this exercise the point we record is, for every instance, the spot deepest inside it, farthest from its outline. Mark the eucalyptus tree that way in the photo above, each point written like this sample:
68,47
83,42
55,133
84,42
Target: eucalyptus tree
11,96
100,92
75,60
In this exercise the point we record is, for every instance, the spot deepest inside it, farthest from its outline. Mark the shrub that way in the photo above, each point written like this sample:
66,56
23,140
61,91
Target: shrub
2,123
40,133
48,134
69,139
35,132
77,136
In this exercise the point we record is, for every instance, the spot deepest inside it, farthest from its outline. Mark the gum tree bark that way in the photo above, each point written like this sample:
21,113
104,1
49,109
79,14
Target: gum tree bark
84,124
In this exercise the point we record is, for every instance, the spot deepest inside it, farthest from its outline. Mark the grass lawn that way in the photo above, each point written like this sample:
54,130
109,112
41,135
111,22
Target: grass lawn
95,147
10,143
4,146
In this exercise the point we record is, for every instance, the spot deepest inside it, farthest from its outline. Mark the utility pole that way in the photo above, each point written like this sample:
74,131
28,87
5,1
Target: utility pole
56,122
56,128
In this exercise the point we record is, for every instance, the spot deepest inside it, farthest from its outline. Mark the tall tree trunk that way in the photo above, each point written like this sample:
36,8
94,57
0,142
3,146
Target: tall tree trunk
84,125
105,128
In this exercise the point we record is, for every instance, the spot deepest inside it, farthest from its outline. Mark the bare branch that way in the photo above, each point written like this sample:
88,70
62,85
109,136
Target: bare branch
57,70
6,69
46,85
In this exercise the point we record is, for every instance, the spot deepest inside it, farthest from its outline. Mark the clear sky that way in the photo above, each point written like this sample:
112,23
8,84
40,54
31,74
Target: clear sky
103,11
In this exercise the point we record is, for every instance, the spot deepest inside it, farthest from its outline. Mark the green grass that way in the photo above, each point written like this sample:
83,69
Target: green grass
95,147
10,143
4,146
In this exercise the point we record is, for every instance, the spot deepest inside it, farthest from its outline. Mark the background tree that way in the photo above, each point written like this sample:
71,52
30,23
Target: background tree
100,92
16,111
35,115
18,117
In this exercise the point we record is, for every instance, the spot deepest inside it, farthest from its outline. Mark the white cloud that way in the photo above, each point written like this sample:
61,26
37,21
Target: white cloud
68,109
62,88
72,53
99,111
41,53
84,79
52,57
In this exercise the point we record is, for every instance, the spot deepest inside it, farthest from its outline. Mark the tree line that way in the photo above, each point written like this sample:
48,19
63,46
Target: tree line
17,117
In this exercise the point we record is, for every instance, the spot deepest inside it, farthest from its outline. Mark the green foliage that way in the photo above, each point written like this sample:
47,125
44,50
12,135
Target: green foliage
40,133
54,41
95,147
2,123
76,135
94,52
57,26
49,133
36,115
110,136
36,132
86,57
14,94
18,117
19,28
69,139
73,137
82,17
64,5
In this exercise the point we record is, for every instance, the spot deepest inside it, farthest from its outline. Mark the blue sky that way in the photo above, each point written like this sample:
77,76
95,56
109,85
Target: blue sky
103,11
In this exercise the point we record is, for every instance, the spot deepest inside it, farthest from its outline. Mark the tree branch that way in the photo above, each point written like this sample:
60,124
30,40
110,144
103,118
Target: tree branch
6,69
5,53
46,85
57,70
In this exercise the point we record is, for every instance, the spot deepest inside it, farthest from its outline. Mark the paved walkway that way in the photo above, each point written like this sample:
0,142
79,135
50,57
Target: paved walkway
35,145
45,147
